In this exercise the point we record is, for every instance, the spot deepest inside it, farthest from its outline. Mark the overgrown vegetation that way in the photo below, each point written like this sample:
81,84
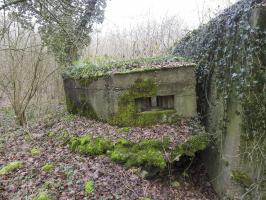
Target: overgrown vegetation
64,26
233,51
92,68
148,154
90,146
194,144
84,107
127,114
241,178
72,170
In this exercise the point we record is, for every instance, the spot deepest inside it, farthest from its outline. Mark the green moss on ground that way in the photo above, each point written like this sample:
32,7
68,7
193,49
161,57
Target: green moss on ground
123,129
47,168
191,146
241,177
11,167
148,154
44,196
89,187
35,151
90,146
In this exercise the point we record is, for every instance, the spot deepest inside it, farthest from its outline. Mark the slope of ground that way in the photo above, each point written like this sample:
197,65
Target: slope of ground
70,171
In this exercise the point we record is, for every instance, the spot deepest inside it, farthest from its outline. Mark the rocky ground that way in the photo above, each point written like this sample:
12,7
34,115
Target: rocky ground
70,170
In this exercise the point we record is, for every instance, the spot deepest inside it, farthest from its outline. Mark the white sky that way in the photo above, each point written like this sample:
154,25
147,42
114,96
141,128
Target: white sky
126,13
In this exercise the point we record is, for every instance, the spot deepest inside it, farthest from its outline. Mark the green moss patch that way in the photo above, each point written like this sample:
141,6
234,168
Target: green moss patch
44,196
151,117
148,154
191,146
35,151
127,114
123,129
47,168
83,107
90,69
89,187
91,146
241,177
11,167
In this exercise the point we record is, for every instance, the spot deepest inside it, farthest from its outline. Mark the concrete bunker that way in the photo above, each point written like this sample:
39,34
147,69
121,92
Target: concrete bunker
230,51
157,93
155,103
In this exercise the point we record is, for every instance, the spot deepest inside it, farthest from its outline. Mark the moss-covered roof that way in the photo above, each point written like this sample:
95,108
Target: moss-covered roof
95,68
156,66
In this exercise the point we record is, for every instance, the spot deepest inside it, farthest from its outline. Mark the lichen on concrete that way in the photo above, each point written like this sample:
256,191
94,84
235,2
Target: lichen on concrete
84,107
127,114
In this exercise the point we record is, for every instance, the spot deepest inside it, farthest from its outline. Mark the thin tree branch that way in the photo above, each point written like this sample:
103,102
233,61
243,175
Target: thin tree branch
11,4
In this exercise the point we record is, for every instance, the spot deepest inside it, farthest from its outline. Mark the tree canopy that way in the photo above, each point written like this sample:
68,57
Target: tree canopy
64,25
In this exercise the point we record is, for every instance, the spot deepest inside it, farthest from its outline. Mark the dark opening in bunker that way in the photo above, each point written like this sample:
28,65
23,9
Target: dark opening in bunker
165,102
154,103
143,104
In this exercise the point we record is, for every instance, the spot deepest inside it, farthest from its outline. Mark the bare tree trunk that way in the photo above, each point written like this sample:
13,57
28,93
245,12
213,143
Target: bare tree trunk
21,118
22,68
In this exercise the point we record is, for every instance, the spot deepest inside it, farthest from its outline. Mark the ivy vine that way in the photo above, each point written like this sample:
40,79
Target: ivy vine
233,51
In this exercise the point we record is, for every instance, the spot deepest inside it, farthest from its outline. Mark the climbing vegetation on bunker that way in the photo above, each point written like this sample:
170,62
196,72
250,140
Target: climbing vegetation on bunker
83,108
127,114
231,53
90,69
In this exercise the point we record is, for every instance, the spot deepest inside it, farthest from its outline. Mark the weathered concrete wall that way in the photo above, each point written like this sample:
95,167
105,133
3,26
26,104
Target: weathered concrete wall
221,160
103,95
224,156
222,119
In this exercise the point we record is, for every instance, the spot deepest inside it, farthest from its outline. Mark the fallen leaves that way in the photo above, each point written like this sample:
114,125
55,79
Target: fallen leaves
71,171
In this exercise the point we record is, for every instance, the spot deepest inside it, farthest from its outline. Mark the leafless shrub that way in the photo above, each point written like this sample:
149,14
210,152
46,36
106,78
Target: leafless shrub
150,38
23,68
